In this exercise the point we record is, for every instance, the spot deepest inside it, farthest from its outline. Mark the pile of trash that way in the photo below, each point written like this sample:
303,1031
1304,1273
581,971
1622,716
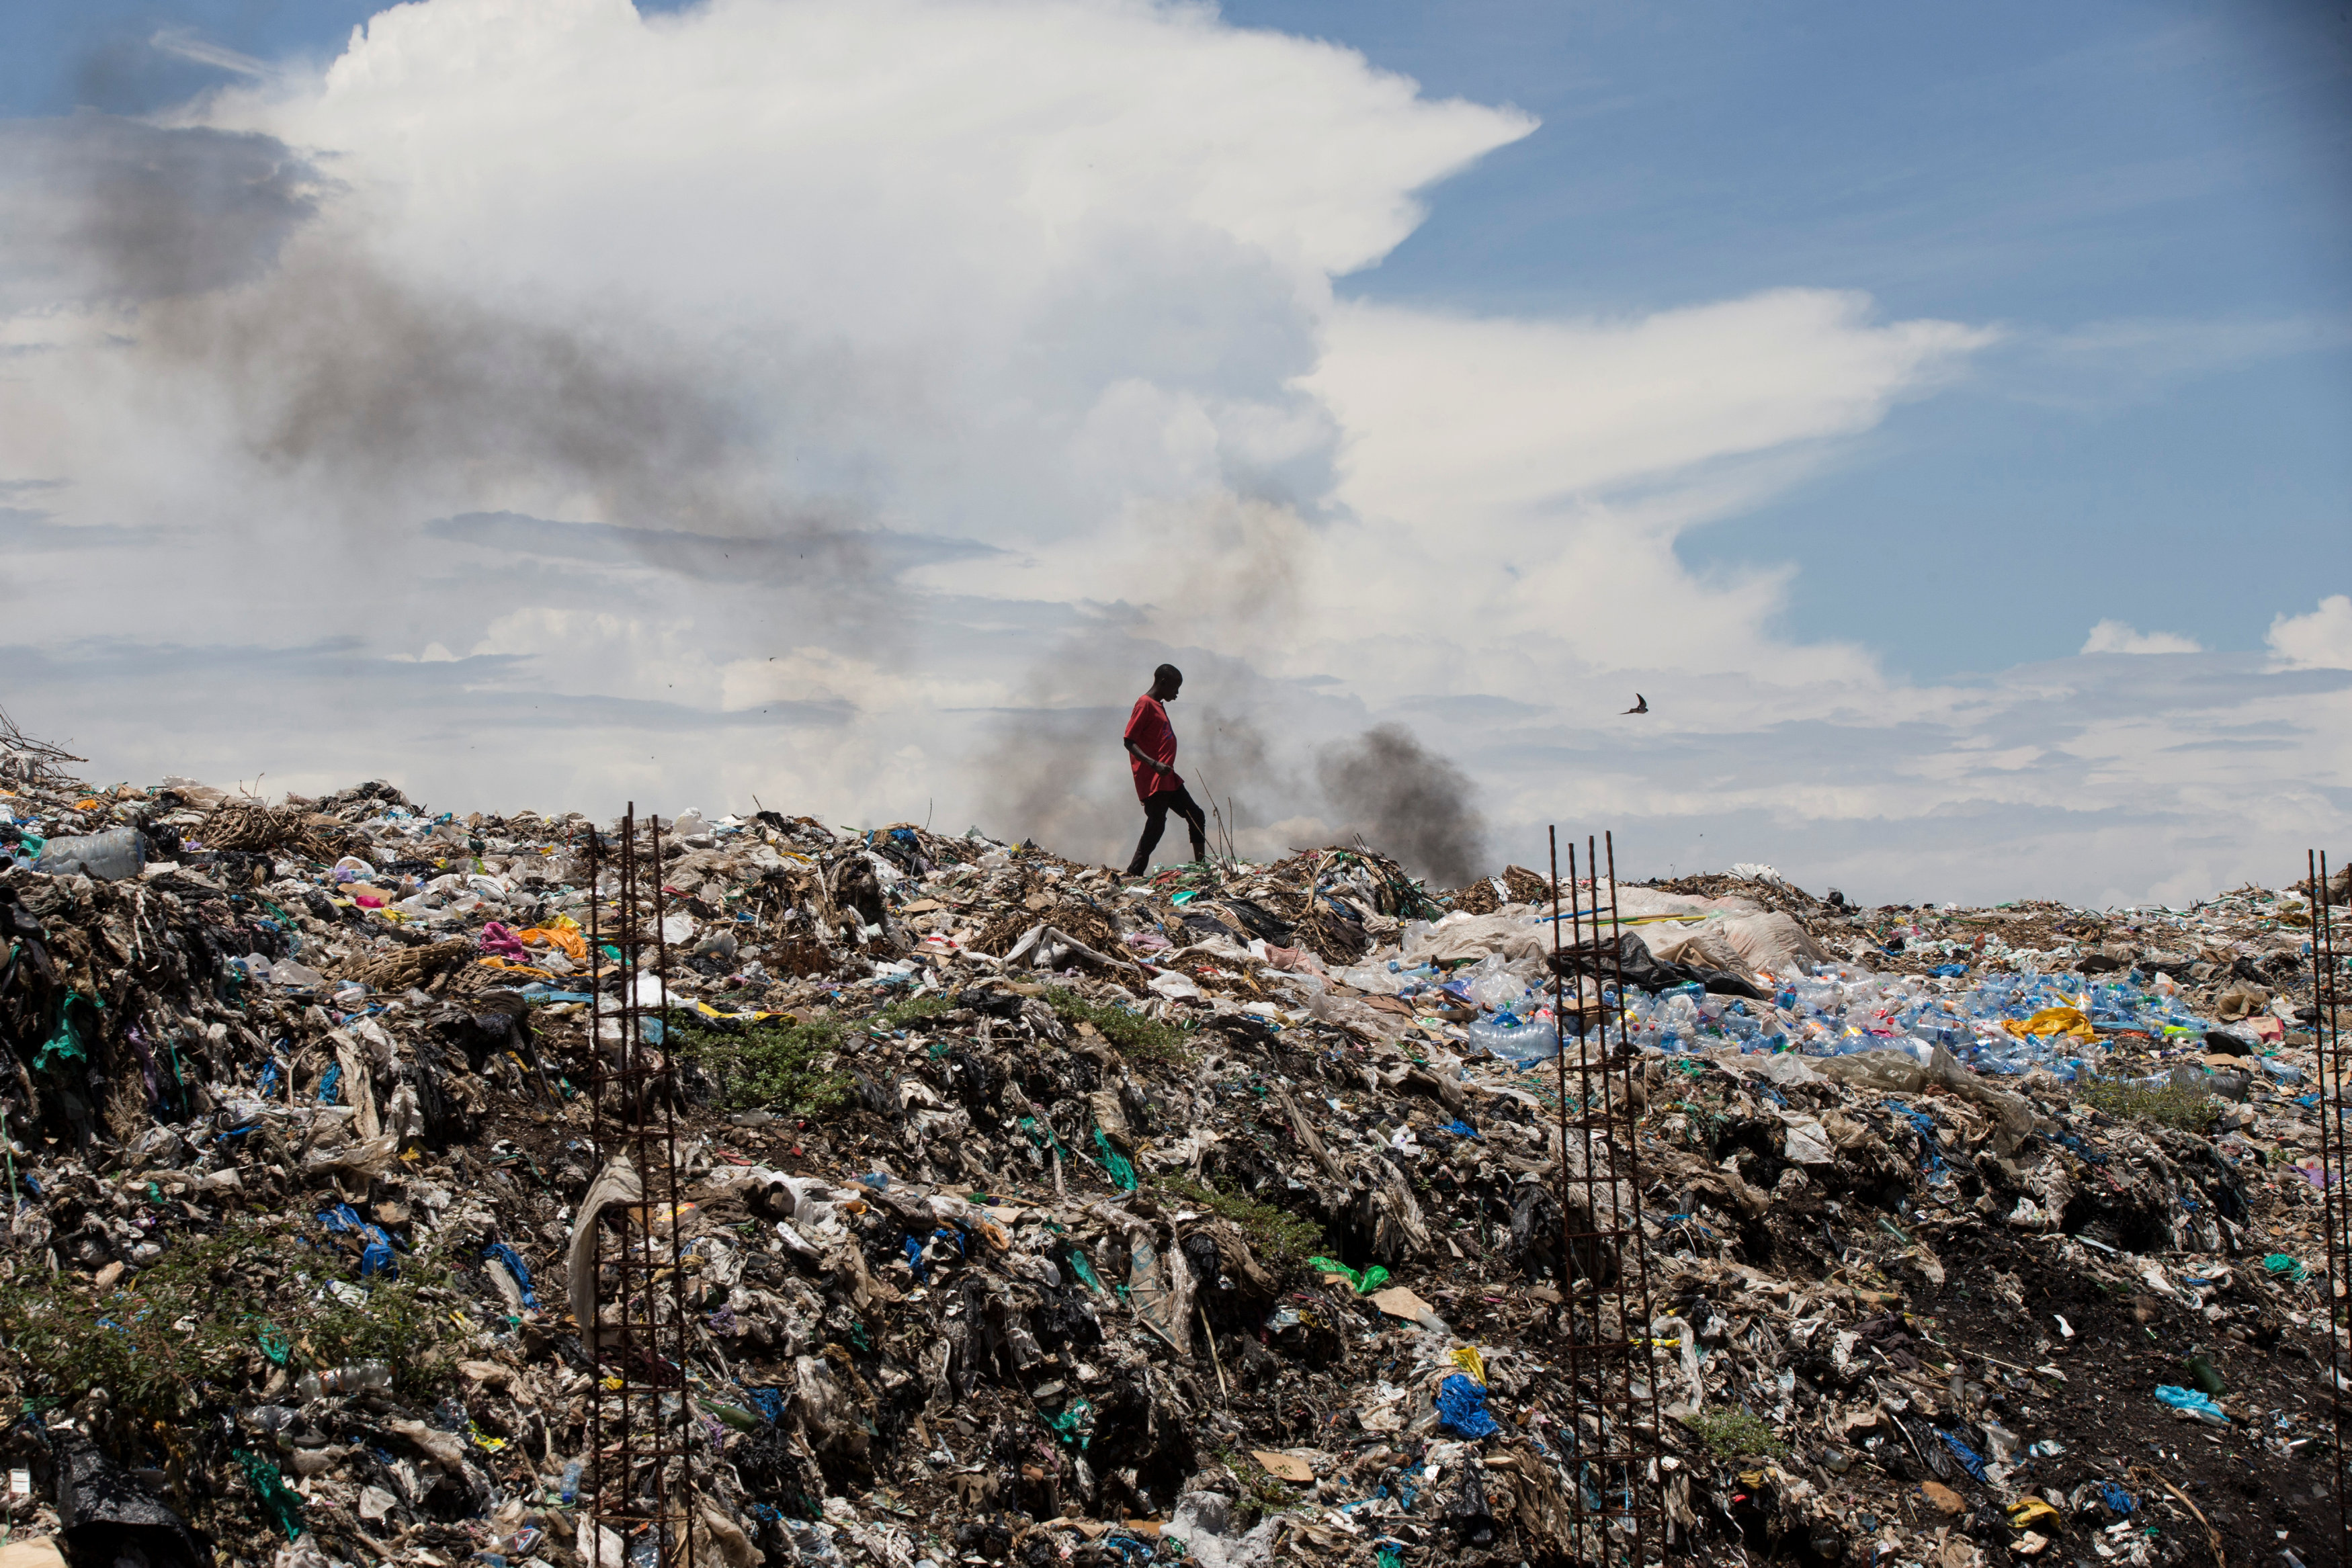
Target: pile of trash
1038,1214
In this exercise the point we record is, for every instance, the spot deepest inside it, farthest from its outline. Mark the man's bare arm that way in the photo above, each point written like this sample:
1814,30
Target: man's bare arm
1136,752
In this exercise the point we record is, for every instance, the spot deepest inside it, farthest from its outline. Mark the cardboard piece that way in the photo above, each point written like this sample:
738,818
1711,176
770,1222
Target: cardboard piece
1283,1467
1399,1303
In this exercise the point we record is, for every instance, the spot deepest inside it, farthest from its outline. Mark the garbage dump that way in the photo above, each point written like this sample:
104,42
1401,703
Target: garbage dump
1034,1214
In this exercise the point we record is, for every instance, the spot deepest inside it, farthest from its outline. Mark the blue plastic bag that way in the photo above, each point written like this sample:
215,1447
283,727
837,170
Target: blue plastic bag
1972,1461
376,1256
1462,1407
2198,1405
515,1266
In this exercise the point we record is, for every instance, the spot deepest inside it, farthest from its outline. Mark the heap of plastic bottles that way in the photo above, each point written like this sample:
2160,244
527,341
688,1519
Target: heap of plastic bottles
1840,1009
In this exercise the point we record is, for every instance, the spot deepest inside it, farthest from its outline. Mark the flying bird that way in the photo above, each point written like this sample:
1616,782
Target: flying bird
1641,705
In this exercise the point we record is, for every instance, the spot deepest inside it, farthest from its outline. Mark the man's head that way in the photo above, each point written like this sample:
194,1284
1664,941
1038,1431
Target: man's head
1166,681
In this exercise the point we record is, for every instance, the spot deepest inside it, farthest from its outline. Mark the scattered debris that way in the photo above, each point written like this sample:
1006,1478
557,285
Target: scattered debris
1033,1213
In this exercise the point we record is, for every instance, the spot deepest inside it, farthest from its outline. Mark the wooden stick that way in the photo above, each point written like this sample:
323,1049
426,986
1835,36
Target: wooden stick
2212,1536
1222,1392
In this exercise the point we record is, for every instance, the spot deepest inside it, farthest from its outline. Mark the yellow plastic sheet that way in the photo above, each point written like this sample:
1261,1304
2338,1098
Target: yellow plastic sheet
2053,1020
706,1010
1467,1358
2031,1510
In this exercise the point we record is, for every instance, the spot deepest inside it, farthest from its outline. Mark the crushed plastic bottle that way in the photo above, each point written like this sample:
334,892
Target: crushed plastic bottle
267,1420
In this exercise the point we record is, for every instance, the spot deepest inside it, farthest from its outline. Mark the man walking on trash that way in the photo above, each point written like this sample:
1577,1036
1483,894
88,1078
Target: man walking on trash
1151,747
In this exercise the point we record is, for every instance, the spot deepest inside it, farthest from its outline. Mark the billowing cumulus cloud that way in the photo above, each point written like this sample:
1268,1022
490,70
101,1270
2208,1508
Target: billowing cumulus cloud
848,402
2321,638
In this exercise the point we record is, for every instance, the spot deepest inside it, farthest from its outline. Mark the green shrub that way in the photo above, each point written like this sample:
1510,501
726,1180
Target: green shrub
777,1065
1146,1039
2169,1104
1734,1434
906,1010
1264,1493
1281,1241
189,1331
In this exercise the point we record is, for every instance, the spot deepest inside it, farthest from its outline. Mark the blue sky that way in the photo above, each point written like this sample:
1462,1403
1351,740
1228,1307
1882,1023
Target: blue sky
2184,168
1978,329
2175,179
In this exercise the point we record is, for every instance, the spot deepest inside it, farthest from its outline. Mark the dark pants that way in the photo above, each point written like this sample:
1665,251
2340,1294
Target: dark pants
1155,822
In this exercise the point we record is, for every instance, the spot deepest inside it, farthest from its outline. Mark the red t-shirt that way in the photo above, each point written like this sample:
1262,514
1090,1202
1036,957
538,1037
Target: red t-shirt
1147,727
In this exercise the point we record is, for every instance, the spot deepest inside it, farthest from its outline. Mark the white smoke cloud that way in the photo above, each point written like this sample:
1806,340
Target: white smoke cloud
848,402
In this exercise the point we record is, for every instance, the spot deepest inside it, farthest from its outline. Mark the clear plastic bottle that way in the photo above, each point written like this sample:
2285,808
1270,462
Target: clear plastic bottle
267,1420
1522,1043
1680,1015
109,856
349,1379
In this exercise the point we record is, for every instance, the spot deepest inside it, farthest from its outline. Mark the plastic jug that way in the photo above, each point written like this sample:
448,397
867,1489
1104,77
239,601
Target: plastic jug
111,856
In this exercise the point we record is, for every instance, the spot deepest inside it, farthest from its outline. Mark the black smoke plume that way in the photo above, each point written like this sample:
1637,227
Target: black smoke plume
1407,801
94,208
331,370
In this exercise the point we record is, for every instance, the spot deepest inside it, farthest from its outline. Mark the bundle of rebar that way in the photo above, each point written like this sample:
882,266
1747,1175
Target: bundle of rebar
641,1426
1611,1435
2329,993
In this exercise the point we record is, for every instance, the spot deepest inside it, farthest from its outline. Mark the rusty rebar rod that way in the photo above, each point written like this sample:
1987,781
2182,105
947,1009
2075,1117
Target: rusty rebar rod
1560,1049
1640,1329
2327,1043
